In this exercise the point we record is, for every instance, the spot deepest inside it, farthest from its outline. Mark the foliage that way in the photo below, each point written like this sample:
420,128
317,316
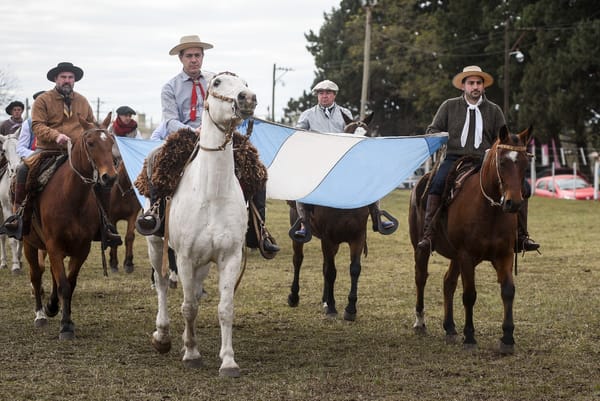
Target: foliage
418,46
8,84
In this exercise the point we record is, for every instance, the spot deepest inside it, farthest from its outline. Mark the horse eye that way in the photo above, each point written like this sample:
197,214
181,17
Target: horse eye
217,82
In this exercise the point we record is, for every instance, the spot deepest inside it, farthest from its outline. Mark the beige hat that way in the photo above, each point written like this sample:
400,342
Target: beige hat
325,85
470,71
189,41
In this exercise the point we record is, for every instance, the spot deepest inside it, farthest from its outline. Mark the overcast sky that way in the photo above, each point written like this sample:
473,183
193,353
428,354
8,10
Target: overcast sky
123,46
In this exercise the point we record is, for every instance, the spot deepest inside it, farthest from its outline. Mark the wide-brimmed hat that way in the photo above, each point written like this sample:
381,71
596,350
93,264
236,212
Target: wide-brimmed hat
62,67
189,41
14,104
469,71
125,110
325,85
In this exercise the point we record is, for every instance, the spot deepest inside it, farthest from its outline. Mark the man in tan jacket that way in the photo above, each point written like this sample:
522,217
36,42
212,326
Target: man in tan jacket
55,120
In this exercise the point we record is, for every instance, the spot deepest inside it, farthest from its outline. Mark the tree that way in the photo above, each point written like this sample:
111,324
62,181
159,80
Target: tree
8,85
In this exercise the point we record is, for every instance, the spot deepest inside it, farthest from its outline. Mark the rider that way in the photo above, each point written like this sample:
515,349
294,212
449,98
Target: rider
55,121
326,116
472,123
15,111
182,100
26,144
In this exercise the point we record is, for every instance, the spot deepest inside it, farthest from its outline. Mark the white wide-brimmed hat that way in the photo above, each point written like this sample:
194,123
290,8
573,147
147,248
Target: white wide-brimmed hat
325,85
469,71
189,41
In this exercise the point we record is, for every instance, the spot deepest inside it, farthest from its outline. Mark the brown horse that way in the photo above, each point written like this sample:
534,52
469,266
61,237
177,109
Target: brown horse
480,223
66,219
333,227
123,206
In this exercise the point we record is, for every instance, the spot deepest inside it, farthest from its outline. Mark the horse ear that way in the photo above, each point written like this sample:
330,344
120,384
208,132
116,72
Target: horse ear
526,135
368,119
503,134
86,125
347,119
106,121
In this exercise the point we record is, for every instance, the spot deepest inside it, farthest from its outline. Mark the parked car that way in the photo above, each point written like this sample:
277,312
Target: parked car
411,181
564,186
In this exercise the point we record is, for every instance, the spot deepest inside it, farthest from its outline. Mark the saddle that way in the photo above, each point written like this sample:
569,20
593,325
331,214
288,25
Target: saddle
462,169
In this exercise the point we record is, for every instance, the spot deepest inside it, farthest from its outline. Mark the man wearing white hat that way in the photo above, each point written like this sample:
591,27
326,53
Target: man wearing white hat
472,123
327,116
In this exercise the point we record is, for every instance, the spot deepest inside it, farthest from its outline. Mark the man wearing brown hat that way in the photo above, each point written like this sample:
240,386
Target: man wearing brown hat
54,121
15,111
472,123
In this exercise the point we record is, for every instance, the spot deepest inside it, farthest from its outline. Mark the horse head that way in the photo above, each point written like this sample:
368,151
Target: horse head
9,150
229,101
92,157
358,127
504,169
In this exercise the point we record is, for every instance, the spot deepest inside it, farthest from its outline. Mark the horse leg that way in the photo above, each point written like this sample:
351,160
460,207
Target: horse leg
450,283
297,258
35,276
66,289
356,249
129,238
161,339
421,274
16,247
228,275
114,259
191,282
3,259
507,292
469,297
329,275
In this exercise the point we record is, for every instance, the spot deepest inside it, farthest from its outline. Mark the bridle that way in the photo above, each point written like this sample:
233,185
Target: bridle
230,128
520,149
95,174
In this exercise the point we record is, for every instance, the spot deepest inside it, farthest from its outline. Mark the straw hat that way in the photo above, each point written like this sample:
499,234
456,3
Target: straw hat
325,85
62,67
469,71
189,41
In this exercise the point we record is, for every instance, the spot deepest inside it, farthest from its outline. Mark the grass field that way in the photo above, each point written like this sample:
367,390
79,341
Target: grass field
297,354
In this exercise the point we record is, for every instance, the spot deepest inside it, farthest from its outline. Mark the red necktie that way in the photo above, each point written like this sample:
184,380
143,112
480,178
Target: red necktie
194,102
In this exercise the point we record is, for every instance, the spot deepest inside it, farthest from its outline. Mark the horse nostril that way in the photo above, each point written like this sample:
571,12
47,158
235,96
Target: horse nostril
107,179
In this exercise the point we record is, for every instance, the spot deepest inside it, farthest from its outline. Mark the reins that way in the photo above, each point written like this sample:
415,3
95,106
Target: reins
95,176
499,146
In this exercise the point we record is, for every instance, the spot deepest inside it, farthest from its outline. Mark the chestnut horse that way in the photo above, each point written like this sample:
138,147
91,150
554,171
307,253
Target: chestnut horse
479,224
333,227
123,206
66,220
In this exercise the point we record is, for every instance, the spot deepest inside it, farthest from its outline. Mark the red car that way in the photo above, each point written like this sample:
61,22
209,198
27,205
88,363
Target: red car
564,186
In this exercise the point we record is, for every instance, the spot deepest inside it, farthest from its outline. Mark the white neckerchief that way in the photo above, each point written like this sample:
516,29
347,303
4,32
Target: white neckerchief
478,125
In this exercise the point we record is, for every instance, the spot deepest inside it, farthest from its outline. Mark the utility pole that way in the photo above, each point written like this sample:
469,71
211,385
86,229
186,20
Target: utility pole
368,5
98,109
275,79
509,51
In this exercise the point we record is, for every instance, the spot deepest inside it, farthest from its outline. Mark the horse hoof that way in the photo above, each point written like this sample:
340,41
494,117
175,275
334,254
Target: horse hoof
506,349
3,266
349,316
161,347
114,269
331,315
39,323
66,335
128,268
229,372
293,301
16,271
193,363
451,339
172,284
469,346
420,329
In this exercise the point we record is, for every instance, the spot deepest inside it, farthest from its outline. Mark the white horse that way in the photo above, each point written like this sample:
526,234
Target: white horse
9,149
207,223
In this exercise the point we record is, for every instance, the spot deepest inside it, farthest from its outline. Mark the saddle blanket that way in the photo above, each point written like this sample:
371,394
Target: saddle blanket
337,170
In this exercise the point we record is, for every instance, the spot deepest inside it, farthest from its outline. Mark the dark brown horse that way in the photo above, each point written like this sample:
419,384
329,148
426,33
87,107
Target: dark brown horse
123,206
479,224
333,227
67,219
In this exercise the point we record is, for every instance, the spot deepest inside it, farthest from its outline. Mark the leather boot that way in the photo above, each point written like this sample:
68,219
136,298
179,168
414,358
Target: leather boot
524,243
13,224
433,203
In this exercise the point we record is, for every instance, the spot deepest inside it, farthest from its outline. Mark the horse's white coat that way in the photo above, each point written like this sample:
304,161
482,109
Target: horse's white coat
207,224
9,147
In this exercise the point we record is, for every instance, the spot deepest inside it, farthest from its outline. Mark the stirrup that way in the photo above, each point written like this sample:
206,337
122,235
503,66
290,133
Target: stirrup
526,244
295,232
149,222
390,219
13,227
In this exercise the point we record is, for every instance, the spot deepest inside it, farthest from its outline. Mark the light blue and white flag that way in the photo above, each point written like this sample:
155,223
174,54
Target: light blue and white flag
337,170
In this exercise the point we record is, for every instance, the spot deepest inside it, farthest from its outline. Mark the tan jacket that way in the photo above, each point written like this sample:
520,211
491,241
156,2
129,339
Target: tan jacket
49,119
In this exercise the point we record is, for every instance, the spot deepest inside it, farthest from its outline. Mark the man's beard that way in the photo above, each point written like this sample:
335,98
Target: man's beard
65,89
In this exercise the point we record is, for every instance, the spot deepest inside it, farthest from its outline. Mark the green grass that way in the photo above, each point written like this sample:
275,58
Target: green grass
296,354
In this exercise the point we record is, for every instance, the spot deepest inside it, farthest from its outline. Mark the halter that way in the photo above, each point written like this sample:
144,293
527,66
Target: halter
95,175
228,131
500,146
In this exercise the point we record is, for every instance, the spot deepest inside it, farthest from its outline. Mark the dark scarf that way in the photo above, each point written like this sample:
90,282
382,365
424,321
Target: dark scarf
122,129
